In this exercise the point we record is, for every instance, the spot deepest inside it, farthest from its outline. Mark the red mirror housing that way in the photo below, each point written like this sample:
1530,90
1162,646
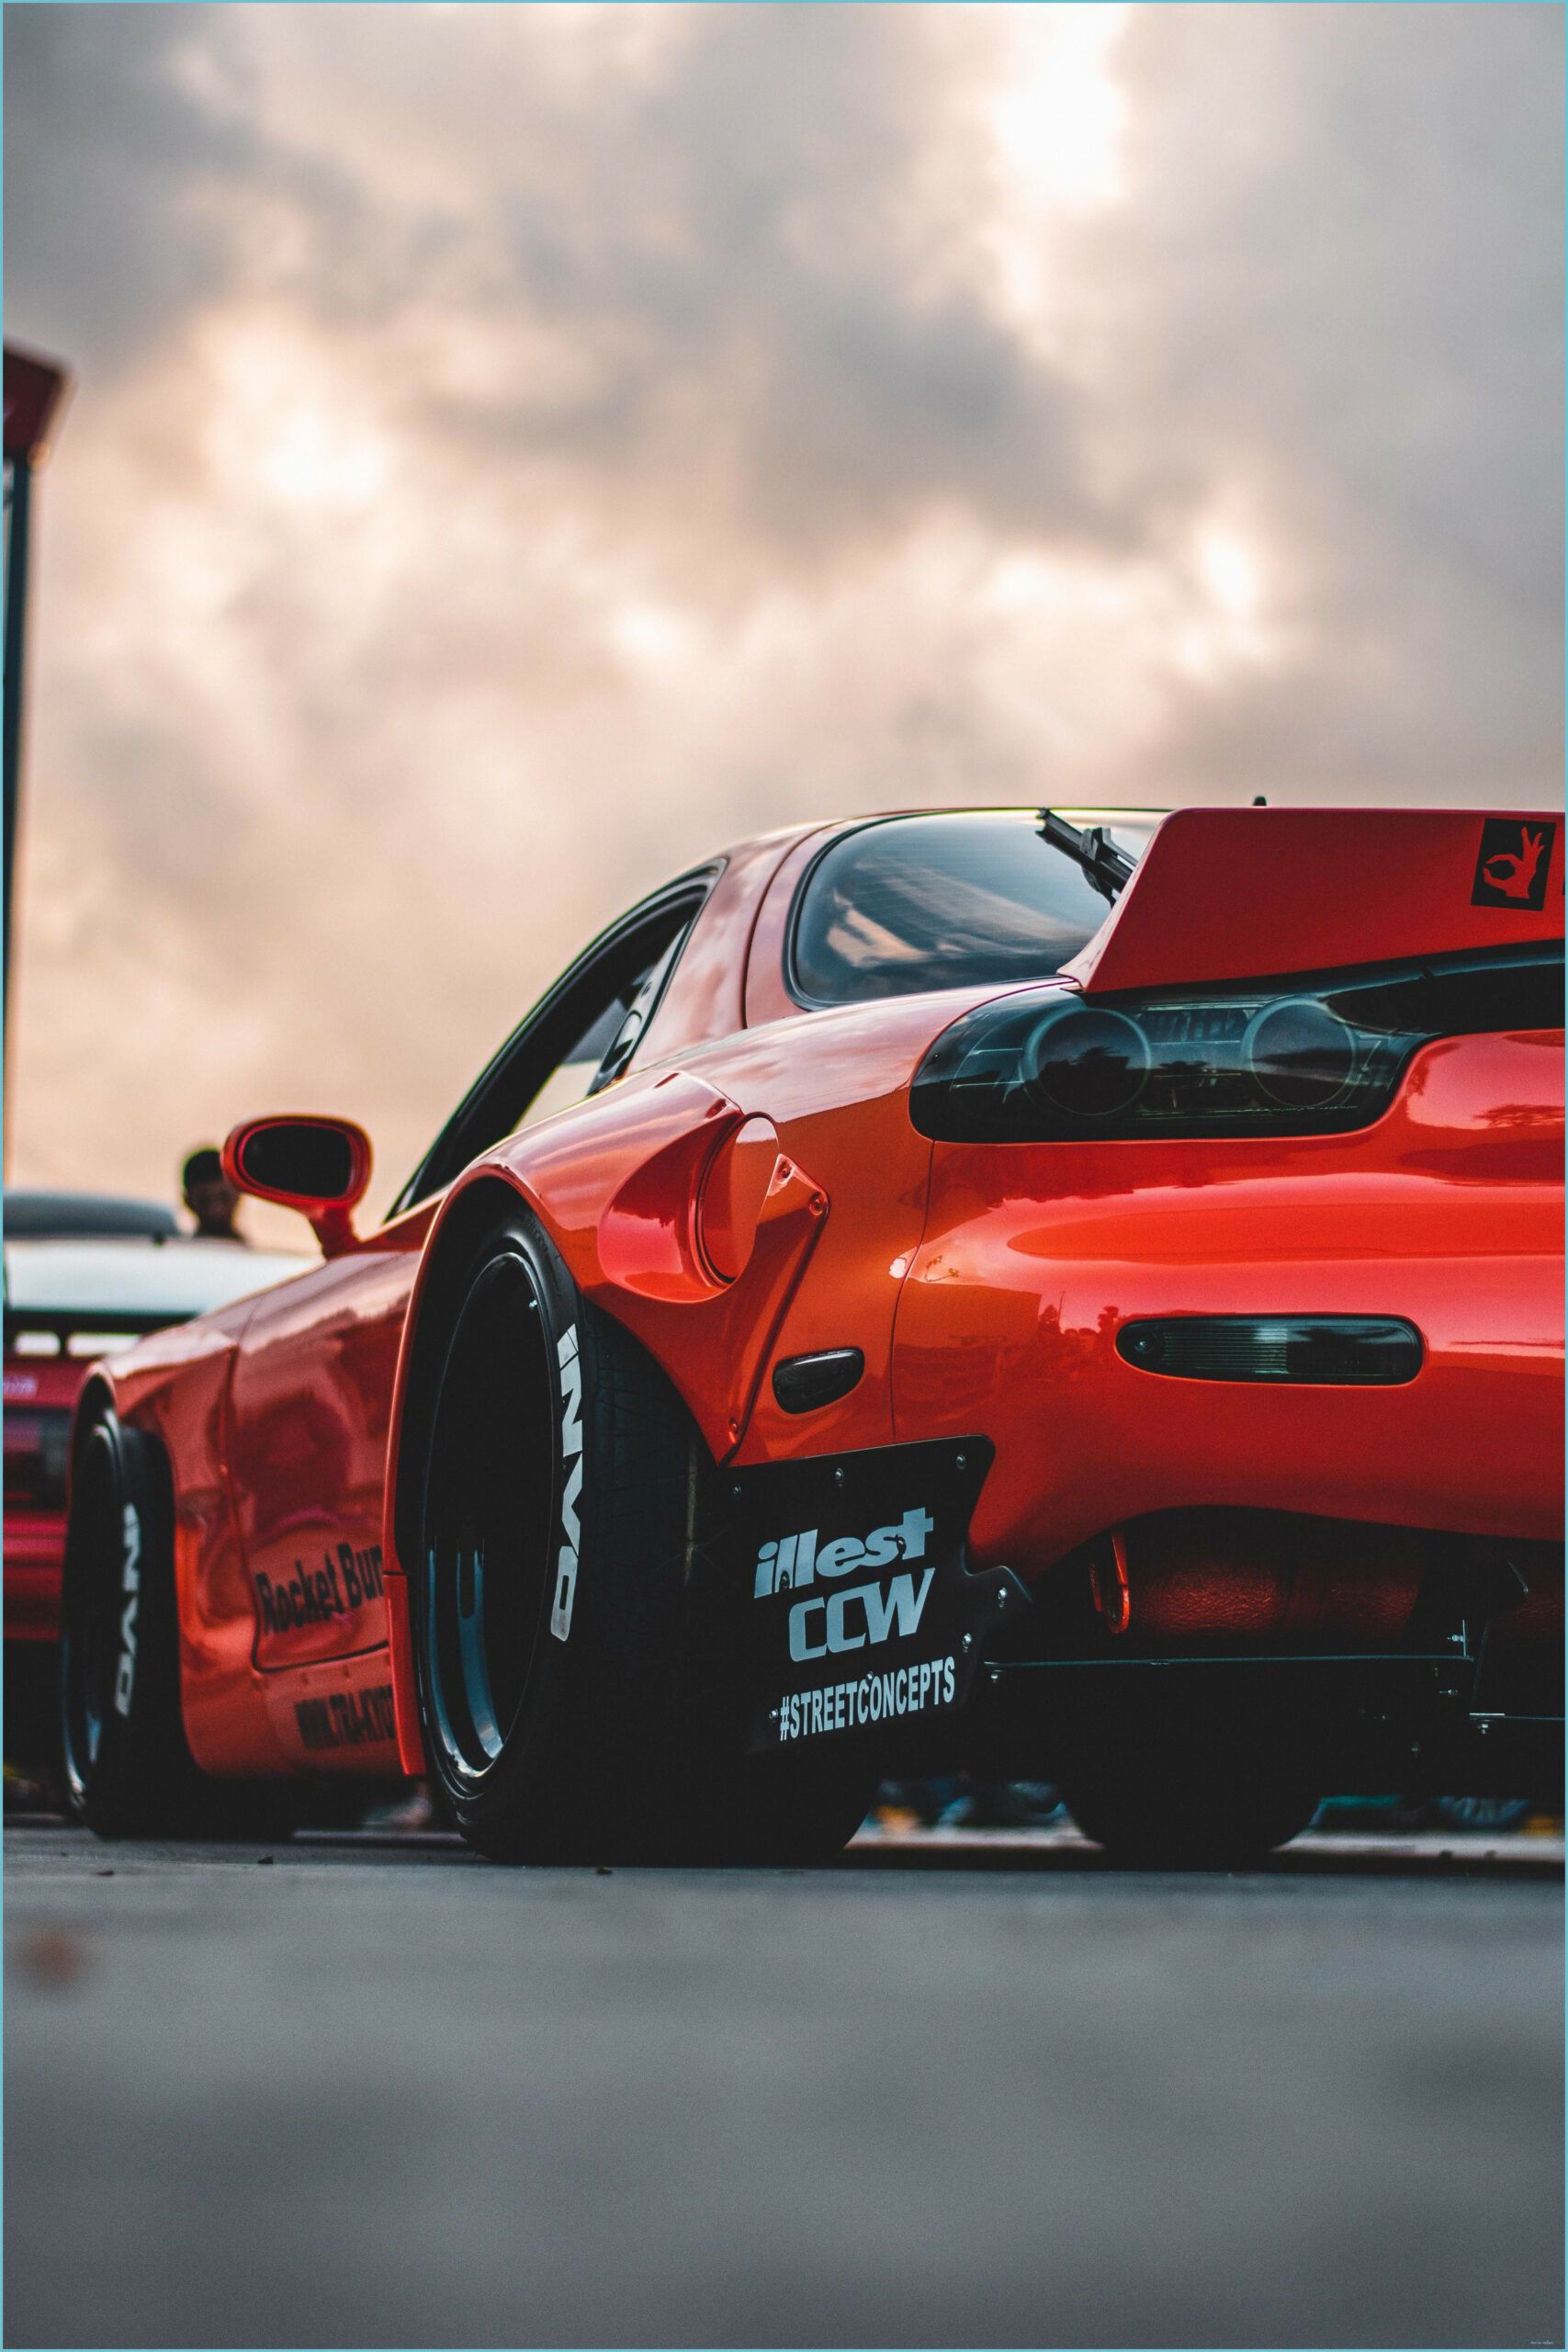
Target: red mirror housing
319,1166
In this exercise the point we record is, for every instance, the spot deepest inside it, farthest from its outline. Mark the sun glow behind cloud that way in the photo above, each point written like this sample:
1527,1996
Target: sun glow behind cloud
1059,113
309,459
1230,572
1056,117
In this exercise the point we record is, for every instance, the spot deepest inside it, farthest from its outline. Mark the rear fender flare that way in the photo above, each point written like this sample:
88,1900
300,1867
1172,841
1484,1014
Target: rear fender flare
620,1204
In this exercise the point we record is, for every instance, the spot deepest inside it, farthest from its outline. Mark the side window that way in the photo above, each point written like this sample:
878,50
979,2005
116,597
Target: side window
577,1041
635,1020
607,1043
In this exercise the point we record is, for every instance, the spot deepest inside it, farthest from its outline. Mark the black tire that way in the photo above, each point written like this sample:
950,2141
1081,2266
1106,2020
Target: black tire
574,1699
1187,1812
127,1770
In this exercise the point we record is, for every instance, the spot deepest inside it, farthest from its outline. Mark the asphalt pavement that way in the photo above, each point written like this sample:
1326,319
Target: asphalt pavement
949,2092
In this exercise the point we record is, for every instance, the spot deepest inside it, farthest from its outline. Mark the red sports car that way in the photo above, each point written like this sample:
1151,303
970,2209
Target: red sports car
1070,1294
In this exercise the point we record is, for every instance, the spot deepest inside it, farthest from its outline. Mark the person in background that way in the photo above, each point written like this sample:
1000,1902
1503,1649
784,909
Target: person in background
209,1197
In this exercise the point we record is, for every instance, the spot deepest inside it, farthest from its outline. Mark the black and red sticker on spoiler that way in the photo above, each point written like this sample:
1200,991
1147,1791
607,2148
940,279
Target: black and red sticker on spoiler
1514,864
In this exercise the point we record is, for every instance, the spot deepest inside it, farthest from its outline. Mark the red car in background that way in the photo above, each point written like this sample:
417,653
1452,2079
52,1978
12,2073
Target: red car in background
1071,1295
85,1275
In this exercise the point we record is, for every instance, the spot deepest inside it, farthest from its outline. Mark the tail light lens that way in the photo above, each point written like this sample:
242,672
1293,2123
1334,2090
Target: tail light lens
1315,1056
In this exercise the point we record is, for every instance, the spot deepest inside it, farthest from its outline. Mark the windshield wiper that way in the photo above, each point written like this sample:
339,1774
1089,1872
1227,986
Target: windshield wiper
1109,868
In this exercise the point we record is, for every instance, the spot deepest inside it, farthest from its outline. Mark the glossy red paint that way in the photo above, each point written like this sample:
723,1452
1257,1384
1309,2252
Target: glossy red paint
705,997
753,1187
767,998
1227,893
618,1192
1447,1212
176,1386
737,1188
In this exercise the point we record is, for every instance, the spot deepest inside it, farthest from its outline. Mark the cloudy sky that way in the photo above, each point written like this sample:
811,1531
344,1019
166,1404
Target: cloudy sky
516,450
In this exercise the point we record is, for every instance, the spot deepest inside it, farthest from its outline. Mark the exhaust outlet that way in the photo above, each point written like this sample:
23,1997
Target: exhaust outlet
1241,1574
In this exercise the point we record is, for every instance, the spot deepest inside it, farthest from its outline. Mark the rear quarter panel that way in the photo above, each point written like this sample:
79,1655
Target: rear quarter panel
835,1088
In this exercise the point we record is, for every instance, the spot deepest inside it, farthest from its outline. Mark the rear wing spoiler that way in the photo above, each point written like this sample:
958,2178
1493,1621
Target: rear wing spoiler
1236,894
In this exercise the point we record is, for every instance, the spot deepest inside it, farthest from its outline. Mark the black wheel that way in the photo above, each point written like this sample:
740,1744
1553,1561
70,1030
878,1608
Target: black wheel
128,1772
1191,1812
574,1705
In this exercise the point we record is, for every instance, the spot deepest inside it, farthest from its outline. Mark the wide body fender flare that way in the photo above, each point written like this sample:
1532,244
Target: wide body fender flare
631,1205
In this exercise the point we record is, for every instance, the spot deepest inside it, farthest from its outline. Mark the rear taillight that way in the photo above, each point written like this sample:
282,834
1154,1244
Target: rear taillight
1316,1056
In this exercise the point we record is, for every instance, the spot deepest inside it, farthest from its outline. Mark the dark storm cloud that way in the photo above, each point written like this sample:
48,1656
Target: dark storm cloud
106,158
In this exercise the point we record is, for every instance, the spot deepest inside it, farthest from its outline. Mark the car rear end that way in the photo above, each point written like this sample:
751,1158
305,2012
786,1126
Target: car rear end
1251,1274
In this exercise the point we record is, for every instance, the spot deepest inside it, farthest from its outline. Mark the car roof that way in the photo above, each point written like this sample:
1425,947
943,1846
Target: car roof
172,1279
33,1215
788,837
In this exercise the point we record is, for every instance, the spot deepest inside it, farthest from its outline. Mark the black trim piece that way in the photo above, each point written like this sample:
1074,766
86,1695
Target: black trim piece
1315,1350
1446,1661
805,1384
1091,847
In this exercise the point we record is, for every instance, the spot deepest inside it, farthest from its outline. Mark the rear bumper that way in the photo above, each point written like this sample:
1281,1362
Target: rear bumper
1472,1444
1447,1214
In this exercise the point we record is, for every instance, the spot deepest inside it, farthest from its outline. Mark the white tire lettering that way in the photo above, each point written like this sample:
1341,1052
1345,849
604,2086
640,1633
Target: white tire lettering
131,1585
571,1443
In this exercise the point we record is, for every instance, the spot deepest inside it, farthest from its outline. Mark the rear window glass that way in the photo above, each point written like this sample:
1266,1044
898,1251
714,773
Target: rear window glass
949,902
